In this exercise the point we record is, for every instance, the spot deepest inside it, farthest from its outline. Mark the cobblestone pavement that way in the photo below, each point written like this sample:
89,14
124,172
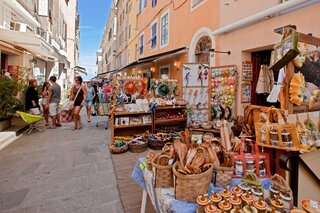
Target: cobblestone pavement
61,170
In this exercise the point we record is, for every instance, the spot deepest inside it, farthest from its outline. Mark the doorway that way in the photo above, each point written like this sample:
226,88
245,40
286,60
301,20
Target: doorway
260,58
4,63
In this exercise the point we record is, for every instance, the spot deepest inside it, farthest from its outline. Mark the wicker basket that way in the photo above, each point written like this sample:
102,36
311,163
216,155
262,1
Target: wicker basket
138,146
189,187
163,175
118,150
157,145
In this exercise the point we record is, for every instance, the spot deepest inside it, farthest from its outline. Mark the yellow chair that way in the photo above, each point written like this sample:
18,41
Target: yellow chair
31,120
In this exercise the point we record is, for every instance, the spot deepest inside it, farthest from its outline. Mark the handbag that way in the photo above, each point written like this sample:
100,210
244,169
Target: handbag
66,116
70,104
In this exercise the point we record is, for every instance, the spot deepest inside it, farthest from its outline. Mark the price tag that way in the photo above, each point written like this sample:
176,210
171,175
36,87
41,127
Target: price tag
142,165
314,204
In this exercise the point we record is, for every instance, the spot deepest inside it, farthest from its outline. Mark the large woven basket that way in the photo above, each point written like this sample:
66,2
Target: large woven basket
157,145
163,175
118,150
189,187
138,147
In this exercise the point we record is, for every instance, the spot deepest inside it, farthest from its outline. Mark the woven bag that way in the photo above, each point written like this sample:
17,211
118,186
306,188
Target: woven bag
189,187
222,176
163,175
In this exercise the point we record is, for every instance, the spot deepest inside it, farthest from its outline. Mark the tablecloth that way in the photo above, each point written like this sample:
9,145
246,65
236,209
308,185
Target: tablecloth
163,199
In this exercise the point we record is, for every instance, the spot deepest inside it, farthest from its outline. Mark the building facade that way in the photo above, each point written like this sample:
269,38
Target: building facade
33,35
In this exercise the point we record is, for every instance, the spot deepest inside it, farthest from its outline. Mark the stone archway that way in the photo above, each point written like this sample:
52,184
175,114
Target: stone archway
202,50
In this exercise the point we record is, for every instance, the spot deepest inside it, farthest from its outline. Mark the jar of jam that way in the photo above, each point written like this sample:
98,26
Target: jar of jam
215,198
244,186
247,198
250,164
225,193
286,136
237,191
225,205
202,201
262,168
274,136
286,199
277,204
256,192
235,201
210,209
273,192
239,167
260,205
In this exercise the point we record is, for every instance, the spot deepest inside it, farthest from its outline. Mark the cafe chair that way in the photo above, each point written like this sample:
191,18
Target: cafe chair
32,120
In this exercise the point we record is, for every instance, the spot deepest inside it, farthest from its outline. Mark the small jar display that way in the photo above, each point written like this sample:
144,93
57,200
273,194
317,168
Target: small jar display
211,209
277,204
237,191
273,192
247,198
225,205
285,198
256,192
274,137
225,193
262,168
260,205
239,167
250,209
235,201
202,201
215,198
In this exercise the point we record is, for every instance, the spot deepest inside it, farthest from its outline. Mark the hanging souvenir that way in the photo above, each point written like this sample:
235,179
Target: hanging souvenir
130,87
297,89
163,89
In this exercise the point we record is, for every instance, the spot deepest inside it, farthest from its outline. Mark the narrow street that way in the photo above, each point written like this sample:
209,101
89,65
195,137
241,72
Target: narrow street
61,170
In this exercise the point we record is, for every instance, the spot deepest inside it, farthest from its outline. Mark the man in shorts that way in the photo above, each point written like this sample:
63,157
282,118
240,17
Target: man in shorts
53,101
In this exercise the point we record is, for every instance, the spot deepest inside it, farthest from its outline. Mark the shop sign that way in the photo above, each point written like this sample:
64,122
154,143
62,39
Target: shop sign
43,8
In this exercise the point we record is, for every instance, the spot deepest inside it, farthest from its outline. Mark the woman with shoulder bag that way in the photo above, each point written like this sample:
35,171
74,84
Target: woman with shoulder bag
78,94
89,101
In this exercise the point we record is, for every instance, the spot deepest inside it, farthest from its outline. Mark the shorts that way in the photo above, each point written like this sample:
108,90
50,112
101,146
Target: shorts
88,103
53,109
44,101
77,103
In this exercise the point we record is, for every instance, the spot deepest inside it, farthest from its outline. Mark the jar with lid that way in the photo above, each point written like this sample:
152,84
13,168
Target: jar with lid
273,192
236,210
247,198
215,198
260,205
239,167
262,168
250,166
225,193
256,192
286,199
237,191
277,204
286,138
225,205
202,201
274,136
249,209
235,201
211,209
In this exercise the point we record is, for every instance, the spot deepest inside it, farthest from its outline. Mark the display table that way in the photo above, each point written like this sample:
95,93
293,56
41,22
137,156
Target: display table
163,199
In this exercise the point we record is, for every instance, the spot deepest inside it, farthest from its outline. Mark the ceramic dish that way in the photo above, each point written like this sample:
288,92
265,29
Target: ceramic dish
311,205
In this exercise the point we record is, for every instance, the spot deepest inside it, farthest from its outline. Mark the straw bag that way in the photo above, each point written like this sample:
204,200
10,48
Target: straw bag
189,187
222,176
163,174
279,135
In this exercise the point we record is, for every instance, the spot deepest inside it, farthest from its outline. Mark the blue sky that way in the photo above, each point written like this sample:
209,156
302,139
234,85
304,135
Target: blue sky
93,17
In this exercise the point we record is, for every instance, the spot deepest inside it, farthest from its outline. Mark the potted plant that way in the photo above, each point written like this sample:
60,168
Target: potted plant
8,101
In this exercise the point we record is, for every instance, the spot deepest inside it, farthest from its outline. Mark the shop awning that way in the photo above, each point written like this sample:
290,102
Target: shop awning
34,44
154,58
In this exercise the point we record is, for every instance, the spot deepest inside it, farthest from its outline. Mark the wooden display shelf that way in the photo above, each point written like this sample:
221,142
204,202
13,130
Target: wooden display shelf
131,125
165,121
132,113
171,107
204,130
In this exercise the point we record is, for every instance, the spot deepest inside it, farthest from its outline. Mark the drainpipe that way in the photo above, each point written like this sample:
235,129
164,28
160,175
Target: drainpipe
287,6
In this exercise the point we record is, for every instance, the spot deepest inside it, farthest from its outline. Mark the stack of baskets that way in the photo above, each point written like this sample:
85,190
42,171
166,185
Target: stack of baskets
157,141
138,145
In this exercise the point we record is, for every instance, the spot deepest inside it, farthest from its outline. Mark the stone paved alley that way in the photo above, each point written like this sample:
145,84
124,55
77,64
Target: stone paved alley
59,171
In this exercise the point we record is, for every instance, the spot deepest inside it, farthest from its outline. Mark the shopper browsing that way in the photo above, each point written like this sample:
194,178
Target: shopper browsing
89,101
53,100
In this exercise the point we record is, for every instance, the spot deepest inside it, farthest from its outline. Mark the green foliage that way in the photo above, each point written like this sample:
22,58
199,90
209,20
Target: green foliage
8,102
22,81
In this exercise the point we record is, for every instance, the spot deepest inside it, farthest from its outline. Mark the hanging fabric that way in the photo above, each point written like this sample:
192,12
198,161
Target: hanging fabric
273,97
265,81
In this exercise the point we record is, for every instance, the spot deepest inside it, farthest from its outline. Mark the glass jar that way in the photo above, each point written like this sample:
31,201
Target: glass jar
250,164
262,169
286,136
239,168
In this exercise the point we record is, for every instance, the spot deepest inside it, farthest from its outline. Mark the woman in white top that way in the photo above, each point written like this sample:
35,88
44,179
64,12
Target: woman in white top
44,94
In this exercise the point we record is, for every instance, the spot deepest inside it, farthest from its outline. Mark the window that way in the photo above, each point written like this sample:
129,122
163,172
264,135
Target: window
164,72
154,3
196,2
164,29
142,5
154,35
141,44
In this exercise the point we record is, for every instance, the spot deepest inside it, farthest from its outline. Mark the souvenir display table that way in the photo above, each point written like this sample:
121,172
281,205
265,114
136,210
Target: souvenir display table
163,199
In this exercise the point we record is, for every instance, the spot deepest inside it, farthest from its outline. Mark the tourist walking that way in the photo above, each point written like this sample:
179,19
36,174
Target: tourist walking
53,100
32,98
78,94
89,100
44,94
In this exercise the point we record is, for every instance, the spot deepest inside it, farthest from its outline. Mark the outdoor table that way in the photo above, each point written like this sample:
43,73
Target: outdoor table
163,199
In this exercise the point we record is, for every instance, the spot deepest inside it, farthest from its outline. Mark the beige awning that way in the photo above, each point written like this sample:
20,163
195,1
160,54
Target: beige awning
33,44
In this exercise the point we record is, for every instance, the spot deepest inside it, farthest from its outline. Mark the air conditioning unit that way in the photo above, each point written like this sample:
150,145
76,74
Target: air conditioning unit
21,27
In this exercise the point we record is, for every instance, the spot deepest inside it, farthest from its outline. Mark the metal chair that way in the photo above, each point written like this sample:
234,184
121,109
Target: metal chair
32,120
